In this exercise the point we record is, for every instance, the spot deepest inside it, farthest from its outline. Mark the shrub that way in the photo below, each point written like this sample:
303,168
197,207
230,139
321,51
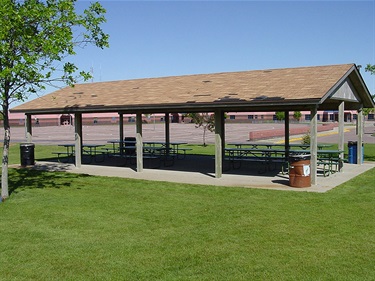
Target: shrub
306,138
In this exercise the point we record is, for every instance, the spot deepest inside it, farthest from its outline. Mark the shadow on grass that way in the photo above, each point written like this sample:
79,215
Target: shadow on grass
30,178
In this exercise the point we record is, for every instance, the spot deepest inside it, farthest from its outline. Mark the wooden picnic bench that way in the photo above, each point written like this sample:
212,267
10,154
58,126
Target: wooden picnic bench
266,156
329,160
90,150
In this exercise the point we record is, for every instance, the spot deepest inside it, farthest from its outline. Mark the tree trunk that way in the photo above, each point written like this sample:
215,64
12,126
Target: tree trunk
4,174
204,136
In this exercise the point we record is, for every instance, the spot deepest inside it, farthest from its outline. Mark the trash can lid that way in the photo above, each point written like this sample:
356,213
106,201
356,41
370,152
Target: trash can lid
300,155
27,144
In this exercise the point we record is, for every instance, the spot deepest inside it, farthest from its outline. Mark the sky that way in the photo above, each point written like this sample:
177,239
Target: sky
168,38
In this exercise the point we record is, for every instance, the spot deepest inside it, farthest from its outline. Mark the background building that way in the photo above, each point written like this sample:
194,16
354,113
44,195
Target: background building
18,119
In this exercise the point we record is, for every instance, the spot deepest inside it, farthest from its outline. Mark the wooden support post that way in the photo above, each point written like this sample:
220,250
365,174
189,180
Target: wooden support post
167,133
341,129
314,145
139,142
219,143
360,136
78,139
121,132
222,118
286,135
29,130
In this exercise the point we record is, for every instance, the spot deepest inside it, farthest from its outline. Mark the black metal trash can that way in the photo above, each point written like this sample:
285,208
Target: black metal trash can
27,154
130,143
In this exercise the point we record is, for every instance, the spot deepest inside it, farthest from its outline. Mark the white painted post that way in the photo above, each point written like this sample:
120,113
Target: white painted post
78,139
167,134
219,143
121,132
341,130
286,135
360,136
314,145
29,130
139,142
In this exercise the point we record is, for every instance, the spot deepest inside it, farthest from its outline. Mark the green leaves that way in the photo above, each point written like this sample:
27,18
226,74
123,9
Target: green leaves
370,68
38,40
94,17
280,115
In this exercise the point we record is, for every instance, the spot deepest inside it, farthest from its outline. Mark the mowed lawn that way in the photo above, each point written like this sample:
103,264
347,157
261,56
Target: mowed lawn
61,226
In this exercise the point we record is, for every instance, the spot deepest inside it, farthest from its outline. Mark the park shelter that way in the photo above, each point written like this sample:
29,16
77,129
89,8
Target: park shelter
331,87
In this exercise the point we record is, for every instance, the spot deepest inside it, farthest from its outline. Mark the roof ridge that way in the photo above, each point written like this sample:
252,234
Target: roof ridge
217,73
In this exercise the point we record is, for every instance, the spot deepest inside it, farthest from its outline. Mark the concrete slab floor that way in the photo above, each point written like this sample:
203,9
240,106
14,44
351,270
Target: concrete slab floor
275,181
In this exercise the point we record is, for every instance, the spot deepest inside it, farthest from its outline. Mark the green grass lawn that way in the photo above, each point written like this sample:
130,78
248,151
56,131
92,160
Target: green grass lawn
62,226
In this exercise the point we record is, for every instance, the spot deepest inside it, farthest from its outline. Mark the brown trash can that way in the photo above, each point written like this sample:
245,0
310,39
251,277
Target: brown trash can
299,170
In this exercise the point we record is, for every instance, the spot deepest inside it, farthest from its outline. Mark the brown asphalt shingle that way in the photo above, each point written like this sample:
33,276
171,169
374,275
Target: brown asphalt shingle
246,86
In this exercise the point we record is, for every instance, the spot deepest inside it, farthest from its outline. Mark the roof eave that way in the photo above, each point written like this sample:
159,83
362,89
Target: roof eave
181,107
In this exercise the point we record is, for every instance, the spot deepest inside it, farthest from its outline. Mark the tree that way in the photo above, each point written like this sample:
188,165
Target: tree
280,115
38,38
306,138
370,68
204,120
297,115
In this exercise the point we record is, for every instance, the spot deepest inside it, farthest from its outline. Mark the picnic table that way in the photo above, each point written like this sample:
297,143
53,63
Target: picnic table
154,147
266,156
272,145
151,150
329,159
174,147
90,150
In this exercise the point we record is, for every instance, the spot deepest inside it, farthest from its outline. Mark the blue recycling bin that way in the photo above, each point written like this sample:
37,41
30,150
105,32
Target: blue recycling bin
352,152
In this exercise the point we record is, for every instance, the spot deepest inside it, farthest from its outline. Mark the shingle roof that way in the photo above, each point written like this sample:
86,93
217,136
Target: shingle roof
260,87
